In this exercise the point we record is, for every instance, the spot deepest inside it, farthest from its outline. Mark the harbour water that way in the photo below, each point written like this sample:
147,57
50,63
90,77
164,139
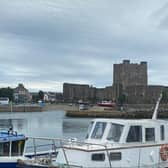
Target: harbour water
45,124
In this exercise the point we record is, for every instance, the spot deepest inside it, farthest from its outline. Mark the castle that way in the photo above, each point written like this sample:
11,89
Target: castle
130,85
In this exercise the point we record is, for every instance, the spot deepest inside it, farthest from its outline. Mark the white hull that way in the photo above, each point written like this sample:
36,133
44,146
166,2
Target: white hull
131,158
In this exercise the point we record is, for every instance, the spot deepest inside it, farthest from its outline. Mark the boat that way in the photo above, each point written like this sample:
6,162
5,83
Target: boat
83,107
12,147
115,143
107,104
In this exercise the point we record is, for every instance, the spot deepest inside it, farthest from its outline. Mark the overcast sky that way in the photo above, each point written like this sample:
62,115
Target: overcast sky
44,43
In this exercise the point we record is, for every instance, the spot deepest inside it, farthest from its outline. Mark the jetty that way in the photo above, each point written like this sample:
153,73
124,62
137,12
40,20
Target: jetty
127,112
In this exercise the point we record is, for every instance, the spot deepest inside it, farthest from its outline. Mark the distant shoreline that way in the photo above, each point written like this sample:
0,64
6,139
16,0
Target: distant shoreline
55,107
20,108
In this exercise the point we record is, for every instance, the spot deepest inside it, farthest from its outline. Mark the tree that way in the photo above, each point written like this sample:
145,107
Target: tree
41,95
121,99
35,98
7,92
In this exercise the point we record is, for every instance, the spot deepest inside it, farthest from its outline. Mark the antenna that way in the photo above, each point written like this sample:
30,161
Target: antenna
155,113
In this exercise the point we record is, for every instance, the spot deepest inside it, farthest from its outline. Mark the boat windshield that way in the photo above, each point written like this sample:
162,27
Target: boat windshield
89,130
98,130
115,132
16,150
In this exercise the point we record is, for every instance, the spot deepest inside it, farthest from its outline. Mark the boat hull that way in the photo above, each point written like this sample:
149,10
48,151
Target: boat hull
8,165
142,157
9,162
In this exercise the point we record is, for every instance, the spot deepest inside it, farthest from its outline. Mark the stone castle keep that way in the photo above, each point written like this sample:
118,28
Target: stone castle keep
130,85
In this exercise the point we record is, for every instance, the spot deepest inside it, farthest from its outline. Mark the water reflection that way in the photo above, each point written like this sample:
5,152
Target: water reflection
17,123
45,124
75,127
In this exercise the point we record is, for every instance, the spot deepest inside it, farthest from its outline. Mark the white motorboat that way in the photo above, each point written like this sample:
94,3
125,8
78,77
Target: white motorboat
120,143
117,143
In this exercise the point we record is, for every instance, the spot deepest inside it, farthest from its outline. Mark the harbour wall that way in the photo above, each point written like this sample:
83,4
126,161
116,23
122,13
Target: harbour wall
127,111
20,108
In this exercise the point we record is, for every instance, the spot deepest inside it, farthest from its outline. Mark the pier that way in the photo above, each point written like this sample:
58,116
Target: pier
128,112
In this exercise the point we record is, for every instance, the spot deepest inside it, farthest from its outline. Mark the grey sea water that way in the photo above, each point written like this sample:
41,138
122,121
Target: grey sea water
50,124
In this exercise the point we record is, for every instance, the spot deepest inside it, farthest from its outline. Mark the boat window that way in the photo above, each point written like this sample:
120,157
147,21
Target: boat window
135,134
162,132
18,148
4,149
89,129
115,156
149,134
98,157
115,132
98,130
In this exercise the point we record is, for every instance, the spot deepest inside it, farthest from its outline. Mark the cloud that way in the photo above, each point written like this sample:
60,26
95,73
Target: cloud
46,42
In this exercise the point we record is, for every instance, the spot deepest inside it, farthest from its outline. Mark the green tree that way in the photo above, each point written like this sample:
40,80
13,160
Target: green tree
35,98
121,99
41,95
7,92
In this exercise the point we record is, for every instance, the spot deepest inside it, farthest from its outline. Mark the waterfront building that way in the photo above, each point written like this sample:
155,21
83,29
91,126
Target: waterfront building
53,97
4,100
21,94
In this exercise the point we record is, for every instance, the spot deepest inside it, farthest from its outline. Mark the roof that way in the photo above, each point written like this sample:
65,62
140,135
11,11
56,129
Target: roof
133,121
5,136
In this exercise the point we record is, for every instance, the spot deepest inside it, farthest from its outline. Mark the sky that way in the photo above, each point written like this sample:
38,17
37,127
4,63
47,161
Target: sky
44,43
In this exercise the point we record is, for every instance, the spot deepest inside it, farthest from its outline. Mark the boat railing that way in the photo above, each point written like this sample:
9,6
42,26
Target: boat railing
57,143
64,144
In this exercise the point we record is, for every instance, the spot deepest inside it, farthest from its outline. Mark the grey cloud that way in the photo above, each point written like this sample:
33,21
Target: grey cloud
62,40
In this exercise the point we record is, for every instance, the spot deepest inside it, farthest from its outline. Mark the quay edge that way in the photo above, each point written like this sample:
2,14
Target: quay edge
114,114
21,108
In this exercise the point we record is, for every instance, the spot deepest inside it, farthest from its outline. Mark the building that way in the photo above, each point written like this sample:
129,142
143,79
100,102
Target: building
130,74
76,92
4,100
53,97
128,80
21,94
130,85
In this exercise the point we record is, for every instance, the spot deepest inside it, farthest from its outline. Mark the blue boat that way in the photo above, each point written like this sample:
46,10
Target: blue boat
12,146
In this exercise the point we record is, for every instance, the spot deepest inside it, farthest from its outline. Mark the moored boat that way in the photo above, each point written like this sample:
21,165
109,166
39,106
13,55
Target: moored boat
116,143
12,147
120,143
107,104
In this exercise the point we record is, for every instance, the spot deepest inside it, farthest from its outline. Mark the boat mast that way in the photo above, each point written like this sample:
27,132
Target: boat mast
10,120
155,113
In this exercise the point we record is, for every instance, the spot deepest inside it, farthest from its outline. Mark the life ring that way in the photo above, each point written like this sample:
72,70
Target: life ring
164,152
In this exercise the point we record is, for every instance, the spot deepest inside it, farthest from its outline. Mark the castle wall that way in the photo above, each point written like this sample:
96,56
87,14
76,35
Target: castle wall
142,94
129,79
75,92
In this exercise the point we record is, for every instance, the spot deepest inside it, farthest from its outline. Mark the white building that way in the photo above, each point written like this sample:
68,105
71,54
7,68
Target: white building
4,100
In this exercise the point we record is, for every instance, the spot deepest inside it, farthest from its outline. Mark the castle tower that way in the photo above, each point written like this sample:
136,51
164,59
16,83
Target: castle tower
129,74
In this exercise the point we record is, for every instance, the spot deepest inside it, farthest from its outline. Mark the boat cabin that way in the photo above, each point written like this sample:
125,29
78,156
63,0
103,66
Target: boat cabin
118,131
11,143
